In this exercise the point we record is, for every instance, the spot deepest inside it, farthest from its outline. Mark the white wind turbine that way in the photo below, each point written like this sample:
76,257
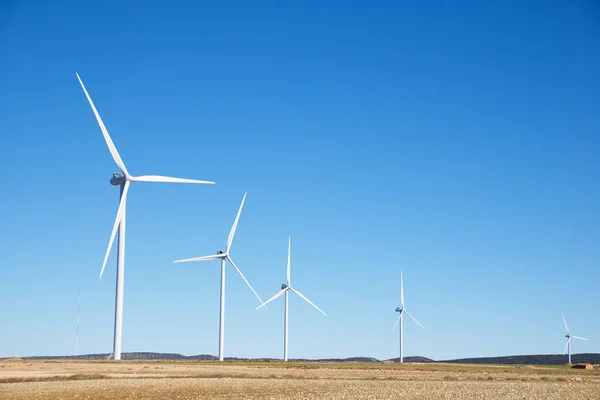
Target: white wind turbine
402,311
225,256
569,336
285,288
122,180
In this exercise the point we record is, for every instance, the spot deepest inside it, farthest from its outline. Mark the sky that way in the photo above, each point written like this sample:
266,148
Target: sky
457,141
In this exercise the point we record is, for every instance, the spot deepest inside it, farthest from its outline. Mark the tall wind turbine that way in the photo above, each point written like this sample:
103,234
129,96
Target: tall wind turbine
569,336
402,311
225,256
123,180
285,289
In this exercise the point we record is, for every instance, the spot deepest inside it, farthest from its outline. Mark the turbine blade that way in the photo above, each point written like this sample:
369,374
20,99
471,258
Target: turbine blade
232,232
245,280
109,142
580,338
288,264
307,300
168,179
401,290
397,321
120,212
566,346
272,298
414,319
203,258
565,321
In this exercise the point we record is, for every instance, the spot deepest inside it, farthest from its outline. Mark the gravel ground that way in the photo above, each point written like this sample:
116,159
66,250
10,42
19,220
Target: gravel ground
248,388
139,380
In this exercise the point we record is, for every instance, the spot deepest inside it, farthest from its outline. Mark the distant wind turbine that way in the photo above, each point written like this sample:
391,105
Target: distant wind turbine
285,288
122,180
225,256
402,311
569,336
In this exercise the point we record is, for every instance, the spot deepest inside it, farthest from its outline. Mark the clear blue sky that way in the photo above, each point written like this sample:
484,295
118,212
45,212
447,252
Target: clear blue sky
456,140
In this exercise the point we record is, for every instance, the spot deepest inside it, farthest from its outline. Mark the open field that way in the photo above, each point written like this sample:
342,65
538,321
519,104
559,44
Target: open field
21,379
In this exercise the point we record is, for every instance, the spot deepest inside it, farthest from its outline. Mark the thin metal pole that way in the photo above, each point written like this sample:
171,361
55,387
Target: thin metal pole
77,329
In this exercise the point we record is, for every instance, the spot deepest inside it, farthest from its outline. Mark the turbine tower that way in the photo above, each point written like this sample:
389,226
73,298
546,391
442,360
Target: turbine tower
285,289
225,256
123,181
402,311
569,336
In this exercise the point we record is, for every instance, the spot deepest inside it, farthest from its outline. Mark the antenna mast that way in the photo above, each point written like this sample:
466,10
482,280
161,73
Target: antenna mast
77,330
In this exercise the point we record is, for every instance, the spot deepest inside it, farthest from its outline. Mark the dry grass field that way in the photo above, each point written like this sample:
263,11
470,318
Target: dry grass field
21,379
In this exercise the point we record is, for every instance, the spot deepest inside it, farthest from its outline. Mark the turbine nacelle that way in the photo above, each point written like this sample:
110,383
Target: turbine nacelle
283,286
117,179
398,309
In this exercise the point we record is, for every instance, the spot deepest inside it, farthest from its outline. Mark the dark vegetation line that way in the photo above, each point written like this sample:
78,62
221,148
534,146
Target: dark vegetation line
54,378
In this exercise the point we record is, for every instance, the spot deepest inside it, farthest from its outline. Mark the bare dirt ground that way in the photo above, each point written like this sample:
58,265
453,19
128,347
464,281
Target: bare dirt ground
275,380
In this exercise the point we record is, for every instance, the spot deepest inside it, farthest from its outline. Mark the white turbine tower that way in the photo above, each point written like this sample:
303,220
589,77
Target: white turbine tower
569,336
225,256
402,311
122,180
285,288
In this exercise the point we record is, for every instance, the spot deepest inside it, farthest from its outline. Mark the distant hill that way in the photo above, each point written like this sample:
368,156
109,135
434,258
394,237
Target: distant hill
539,359
124,356
351,359
415,359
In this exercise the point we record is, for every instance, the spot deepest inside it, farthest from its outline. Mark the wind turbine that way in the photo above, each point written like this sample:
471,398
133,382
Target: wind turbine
225,256
122,180
569,336
402,311
285,288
